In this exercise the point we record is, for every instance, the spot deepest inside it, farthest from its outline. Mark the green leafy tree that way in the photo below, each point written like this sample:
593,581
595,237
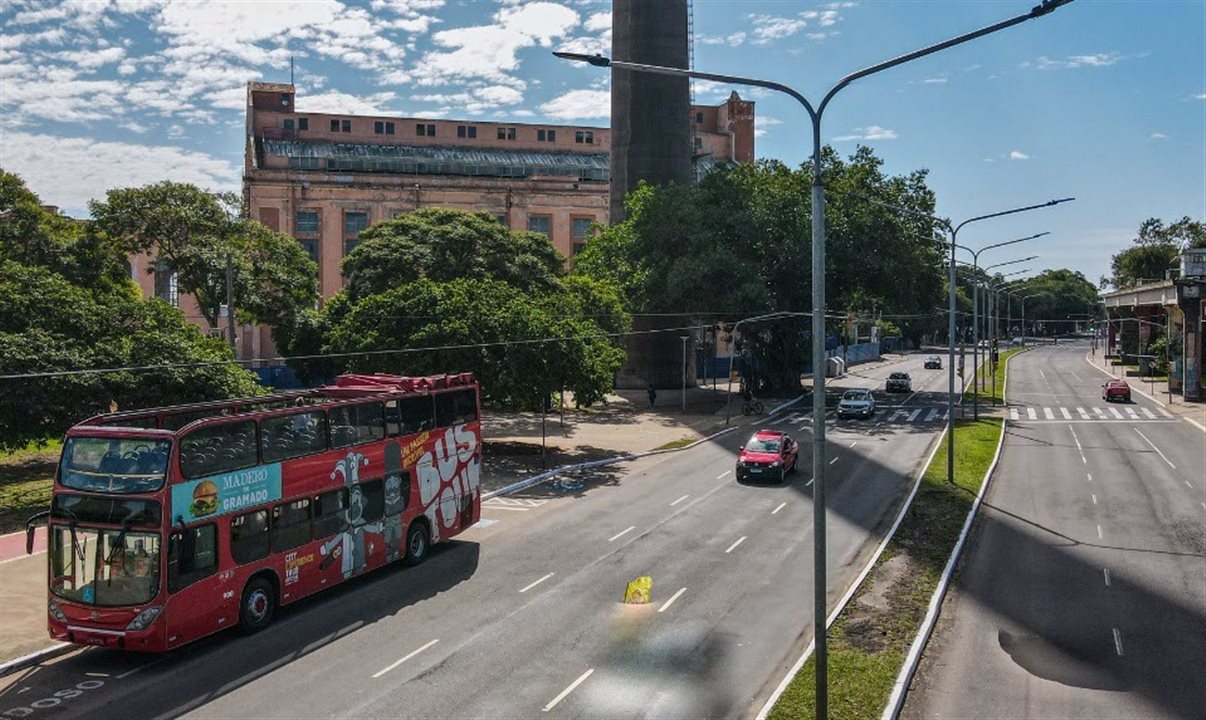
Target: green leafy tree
1153,251
517,344
196,233
442,245
1060,297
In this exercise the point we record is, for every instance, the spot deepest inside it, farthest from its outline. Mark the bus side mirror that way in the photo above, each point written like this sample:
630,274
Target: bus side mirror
30,527
29,538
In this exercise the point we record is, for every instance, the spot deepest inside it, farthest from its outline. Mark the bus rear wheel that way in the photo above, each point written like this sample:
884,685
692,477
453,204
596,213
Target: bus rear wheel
257,606
418,542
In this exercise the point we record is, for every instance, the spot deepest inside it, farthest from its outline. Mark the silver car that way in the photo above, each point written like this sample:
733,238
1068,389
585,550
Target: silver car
856,403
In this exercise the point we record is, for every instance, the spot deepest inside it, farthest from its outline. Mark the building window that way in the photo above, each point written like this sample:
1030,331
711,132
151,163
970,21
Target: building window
285,99
699,118
307,222
379,127
287,123
505,133
334,126
540,224
310,245
353,223
584,136
580,230
389,128
166,288
543,135
303,123
346,125
466,131
502,220
698,143
425,130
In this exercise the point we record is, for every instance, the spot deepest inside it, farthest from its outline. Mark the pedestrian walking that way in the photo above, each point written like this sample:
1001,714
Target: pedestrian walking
652,396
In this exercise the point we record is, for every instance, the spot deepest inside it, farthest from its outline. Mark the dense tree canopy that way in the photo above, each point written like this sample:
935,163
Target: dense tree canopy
66,303
1153,251
739,244
196,233
1058,298
444,245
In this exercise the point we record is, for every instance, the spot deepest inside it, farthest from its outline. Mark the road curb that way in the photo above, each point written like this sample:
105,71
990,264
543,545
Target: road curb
909,669
11,666
849,595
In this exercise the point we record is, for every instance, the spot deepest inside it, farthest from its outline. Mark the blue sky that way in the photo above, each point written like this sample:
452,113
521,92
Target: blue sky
1105,101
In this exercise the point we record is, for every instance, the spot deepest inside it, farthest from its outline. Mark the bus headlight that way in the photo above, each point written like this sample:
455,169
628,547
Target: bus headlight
55,612
146,617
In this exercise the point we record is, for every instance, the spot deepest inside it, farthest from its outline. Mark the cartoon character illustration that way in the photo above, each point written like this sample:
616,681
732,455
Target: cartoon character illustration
397,492
446,488
348,546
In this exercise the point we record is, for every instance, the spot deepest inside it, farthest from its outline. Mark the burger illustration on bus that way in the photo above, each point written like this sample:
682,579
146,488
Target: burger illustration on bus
205,499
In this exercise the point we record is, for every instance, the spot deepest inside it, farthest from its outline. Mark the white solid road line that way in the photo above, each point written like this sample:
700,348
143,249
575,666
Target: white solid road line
734,545
581,679
1149,442
781,506
532,585
1106,571
666,605
386,669
1118,642
684,497
724,474
1090,476
833,461
621,534
855,442
505,507
1042,374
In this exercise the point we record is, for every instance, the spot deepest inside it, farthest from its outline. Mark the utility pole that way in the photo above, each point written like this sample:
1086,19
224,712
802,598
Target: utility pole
230,302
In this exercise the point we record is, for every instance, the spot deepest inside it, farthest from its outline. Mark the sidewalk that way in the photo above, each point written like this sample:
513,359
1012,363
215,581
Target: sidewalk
1155,390
23,596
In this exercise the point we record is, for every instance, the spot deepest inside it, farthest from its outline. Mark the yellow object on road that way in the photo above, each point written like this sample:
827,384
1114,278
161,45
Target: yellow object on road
638,591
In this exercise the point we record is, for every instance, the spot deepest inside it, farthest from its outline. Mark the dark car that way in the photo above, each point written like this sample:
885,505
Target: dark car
899,382
933,362
1116,389
769,454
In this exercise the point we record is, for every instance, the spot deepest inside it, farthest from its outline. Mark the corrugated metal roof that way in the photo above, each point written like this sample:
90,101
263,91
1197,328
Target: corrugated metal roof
493,156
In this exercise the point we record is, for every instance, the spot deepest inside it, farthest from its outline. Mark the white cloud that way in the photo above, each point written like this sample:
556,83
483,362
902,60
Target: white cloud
134,127
83,169
476,100
762,122
934,80
579,104
1104,59
1200,96
175,131
871,132
597,22
490,52
732,40
1018,155
1157,136
90,60
768,28
341,103
411,12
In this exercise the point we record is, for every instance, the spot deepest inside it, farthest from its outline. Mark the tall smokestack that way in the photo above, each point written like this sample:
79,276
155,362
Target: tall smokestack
649,113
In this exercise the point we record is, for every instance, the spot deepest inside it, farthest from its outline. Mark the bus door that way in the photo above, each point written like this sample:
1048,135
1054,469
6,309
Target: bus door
201,600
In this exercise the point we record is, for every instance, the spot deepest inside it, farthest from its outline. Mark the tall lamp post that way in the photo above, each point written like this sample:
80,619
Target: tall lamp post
1024,299
820,602
994,293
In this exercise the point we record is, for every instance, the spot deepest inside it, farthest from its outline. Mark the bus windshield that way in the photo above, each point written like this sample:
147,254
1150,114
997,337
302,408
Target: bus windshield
104,567
101,464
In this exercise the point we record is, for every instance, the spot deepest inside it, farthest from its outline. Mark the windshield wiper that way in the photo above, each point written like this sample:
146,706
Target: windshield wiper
118,544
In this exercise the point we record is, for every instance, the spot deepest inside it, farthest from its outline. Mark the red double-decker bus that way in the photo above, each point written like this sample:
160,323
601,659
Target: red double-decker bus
169,524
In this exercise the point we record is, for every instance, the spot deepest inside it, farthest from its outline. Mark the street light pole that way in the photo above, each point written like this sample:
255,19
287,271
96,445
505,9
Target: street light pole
820,602
732,350
684,338
994,290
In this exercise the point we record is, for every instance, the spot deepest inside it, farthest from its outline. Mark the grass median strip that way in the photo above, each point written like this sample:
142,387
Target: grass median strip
870,639
987,394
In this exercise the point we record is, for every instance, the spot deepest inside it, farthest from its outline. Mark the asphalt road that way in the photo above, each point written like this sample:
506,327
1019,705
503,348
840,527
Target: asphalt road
523,616
1082,593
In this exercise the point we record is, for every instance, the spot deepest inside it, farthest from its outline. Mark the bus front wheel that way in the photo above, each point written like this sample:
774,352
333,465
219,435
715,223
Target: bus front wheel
417,544
258,605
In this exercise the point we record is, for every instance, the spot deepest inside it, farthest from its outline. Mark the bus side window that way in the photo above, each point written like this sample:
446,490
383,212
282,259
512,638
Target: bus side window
374,500
416,414
329,513
289,436
216,449
192,556
290,524
393,425
456,407
249,536
353,424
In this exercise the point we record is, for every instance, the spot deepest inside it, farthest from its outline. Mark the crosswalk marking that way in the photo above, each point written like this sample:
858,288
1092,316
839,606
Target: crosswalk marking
1067,415
933,413
1048,414
1110,414
1084,414
1149,413
1165,413
1030,413
1100,413
913,415
1013,413
1116,413
1131,411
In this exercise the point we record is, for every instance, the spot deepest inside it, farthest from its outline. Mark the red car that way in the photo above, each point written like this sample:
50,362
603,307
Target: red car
768,454
1116,389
